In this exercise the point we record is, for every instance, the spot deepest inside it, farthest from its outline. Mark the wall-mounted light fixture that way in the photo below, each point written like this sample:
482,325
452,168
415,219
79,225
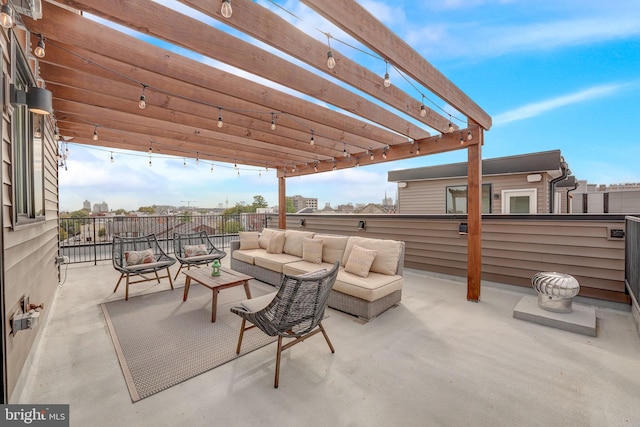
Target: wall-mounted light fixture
37,99
302,222
362,225
402,184
6,15
463,229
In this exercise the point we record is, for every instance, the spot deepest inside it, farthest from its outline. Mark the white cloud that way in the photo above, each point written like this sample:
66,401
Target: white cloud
541,107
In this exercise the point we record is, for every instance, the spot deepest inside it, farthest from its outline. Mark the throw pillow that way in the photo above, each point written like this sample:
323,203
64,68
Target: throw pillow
139,257
276,243
360,261
195,250
249,240
312,250
265,236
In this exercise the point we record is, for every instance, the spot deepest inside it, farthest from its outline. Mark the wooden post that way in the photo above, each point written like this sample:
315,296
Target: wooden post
474,219
282,202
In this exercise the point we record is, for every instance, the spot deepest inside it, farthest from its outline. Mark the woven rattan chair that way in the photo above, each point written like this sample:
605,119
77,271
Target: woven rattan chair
295,311
137,256
195,249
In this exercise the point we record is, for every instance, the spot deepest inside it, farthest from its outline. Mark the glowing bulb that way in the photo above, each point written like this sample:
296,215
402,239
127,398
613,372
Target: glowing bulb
6,16
226,9
331,61
387,80
39,50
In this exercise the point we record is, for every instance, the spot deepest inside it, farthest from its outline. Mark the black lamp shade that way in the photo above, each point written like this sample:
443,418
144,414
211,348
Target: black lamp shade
39,100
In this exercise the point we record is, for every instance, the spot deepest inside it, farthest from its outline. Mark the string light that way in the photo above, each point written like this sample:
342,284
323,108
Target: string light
331,61
226,9
469,136
384,152
211,168
273,122
197,158
6,16
387,80
150,148
312,142
111,159
39,49
371,152
142,104
423,109
450,124
220,117
315,166
37,133
95,133
461,139
149,161
418,149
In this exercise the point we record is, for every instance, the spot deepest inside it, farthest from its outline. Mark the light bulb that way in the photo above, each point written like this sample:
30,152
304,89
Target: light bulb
37,133
273,125
39,50
313,141
450,127
142,104
418,150
184,163
384,155
95,134
149,161
211,168
331,61
387,80
372,155
226,9
344,153
469,136
423,110
6,16
220,121
111,158
461,140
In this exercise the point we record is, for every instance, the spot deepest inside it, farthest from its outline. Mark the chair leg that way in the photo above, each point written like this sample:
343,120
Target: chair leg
158,277
126,291
118,284
169,276
277,378
326,337
240,337
178,272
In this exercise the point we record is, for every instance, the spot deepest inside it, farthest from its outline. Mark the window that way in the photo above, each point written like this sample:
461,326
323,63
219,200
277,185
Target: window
27,162
519,201
457,199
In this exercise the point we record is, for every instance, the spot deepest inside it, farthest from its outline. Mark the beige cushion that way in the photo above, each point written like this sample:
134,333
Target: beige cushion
258,303
139,257
360,260
293,241
312,250
275,262
249,240
276,243
371,288
332,247
195,250
389,251
265,236
247,255
300,267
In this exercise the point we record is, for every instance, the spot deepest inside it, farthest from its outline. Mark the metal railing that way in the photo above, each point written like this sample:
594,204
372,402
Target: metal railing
632,258
90,239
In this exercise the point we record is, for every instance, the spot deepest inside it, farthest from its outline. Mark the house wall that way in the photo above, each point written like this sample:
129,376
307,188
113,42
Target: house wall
514,247
29,245
429,196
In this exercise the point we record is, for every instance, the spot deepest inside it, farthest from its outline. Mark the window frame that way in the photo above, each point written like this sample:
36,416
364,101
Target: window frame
27,161
486,197
532,193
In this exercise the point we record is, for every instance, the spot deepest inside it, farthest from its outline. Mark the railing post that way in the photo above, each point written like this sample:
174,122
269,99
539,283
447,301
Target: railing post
95,246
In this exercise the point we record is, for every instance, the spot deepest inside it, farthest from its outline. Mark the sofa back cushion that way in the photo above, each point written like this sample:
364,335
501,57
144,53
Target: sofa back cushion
248,240
265,236
386,261
293,241
332,247
312,250
276,242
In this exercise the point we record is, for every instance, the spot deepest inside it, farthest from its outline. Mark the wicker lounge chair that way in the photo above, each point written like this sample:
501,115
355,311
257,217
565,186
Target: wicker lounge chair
294,311
137,256
195,249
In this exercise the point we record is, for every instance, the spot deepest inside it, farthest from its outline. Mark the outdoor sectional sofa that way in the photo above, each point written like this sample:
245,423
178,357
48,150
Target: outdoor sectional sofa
370,278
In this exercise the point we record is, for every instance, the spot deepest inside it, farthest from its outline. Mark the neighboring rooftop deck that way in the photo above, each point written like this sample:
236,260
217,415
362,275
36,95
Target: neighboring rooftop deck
436,359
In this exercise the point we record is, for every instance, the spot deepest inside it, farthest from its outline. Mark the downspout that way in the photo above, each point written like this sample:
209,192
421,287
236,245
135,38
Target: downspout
564,168
569,190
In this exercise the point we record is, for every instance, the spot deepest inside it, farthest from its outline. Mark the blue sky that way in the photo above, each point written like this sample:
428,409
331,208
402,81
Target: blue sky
552,74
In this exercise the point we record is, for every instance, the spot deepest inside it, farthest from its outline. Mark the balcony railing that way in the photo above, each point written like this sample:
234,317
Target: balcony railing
632,258
90,239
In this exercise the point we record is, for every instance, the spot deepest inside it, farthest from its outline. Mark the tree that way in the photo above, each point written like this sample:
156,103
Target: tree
147,209
120,211
102,232
259,202
290,207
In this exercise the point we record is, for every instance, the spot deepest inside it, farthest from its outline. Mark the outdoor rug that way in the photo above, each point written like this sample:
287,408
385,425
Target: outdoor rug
161,340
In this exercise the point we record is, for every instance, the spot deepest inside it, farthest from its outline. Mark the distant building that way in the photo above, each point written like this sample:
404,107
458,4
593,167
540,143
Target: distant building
100,207
523,184
86,205
300,203
615,198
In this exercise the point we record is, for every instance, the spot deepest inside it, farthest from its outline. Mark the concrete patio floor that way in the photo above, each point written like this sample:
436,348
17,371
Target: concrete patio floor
435,360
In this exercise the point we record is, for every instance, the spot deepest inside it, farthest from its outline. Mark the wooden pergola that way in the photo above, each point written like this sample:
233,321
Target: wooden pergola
98,73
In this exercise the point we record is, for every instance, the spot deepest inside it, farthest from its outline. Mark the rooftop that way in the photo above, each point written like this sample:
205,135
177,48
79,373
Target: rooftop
436,359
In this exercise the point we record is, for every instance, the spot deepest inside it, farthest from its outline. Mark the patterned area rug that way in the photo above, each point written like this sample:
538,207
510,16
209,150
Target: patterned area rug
161,340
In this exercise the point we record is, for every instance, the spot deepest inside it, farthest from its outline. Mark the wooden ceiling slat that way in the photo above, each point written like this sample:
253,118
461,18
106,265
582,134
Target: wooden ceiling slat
257,21
360,24
166,24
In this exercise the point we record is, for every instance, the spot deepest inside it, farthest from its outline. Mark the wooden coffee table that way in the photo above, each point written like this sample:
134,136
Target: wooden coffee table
227,279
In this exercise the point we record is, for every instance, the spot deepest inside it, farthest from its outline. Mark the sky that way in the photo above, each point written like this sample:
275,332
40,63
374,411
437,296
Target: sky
553,75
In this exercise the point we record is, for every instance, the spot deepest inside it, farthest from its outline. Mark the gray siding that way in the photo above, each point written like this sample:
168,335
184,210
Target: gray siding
514,248
28,251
